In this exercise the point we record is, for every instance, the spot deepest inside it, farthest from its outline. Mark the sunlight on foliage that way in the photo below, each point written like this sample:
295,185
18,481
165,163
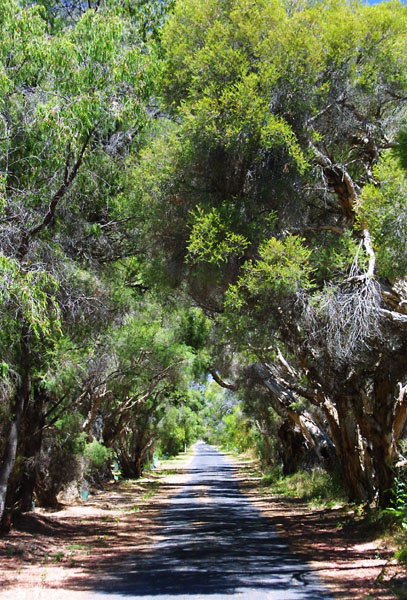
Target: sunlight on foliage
383,208
283,267
211,240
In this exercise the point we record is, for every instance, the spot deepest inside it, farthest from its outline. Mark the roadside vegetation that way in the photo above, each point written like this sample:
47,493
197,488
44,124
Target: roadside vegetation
203,234
317,487
49,547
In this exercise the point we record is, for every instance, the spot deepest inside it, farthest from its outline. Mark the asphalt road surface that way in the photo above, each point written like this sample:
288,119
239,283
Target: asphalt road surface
213,544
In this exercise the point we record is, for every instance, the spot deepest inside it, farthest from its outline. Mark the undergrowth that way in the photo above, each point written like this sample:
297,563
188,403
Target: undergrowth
398,513
316,486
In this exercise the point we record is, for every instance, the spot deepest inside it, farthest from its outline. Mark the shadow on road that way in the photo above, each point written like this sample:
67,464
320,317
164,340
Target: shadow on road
212,541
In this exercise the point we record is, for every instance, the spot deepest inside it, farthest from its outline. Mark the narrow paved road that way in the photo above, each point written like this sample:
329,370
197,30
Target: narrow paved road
214,544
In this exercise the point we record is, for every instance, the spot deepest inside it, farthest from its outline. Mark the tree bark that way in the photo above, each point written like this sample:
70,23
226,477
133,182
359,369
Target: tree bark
20,402
33,422
345,436
376,426
400,416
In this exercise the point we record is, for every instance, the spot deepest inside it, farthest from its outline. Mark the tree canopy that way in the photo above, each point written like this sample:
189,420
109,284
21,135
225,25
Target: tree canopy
280,171
201,192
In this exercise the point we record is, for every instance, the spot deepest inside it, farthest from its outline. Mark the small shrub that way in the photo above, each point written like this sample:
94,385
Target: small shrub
58,557
398,510
272,475
401,554
317,486
148,495
97,455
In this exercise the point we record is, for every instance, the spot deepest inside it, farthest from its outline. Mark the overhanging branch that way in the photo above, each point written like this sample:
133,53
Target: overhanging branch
69,177
224,384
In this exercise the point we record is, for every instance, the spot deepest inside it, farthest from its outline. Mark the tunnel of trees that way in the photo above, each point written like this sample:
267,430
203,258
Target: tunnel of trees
203,233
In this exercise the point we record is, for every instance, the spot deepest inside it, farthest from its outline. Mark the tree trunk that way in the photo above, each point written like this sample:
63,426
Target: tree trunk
20,402
131,468
376,425
138,467
33,422
400,416
345,436
10,453
293,447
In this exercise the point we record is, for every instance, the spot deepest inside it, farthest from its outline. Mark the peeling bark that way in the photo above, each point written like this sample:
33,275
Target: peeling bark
346,439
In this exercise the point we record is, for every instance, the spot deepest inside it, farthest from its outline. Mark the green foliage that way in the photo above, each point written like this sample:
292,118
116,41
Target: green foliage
97,455
172,434
66,92
398,510
401,554
383,210
217,405
211,240
337,254
238,432
216,51
283,267
262,112
401,149
31,295
194,328
69,433
398,513
181,425
64,366
225,60
316,486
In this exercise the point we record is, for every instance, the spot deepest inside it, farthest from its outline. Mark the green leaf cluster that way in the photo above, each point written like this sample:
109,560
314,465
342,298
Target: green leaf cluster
383,210
283,267
212,240
31,295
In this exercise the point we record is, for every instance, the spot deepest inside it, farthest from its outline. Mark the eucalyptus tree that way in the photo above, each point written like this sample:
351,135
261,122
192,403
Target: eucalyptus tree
72,107
274,176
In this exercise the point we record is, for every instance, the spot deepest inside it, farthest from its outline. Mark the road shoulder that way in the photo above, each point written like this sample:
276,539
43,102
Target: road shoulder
346,553
63,550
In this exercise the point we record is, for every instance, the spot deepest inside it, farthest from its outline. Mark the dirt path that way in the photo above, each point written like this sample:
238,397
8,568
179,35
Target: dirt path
49,549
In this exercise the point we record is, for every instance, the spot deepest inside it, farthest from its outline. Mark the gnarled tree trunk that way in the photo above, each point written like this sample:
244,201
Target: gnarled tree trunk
344,432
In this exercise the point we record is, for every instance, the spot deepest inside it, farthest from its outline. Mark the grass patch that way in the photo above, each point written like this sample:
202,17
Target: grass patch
149,494
317,486
171,471
401,554
10,551
75,547
58,557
